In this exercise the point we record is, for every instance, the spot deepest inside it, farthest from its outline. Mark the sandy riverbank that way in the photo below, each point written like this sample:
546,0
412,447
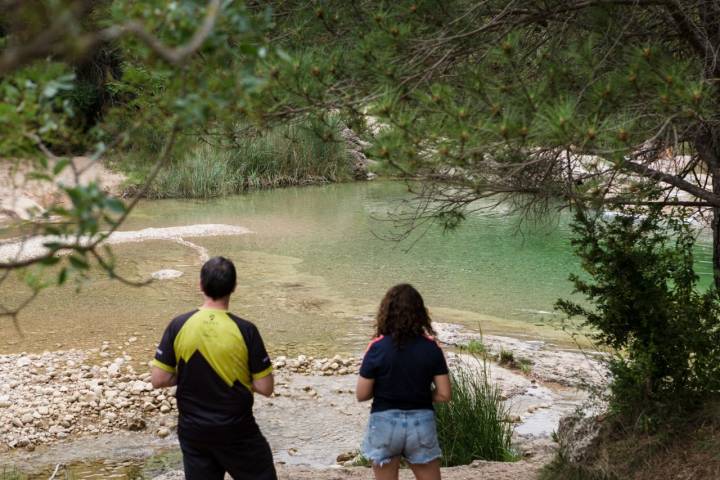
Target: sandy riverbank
22,197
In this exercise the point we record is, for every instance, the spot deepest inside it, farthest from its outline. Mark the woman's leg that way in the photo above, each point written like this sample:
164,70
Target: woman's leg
426,471
389,471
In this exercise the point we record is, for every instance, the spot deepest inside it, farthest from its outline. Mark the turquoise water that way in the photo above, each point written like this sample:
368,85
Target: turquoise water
315,269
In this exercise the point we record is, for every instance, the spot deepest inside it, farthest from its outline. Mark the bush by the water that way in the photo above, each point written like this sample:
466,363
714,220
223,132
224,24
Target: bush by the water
475,425
647,306
303,153
10,473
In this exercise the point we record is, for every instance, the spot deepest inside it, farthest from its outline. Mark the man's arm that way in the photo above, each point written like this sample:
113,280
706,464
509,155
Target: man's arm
161,378
264,386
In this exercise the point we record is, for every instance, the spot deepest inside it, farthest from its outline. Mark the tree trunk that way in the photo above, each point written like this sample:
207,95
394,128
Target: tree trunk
716,234
708,147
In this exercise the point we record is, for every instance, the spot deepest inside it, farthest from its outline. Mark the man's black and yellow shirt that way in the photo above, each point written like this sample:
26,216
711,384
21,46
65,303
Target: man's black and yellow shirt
216,356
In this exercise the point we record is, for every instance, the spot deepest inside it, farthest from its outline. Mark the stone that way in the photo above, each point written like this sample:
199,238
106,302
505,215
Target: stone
136,424
345,457
27,418
163,432
139,386
23,362
166,274
5,401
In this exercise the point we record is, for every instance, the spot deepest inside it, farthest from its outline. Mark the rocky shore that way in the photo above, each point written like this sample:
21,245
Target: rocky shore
68,406
50,396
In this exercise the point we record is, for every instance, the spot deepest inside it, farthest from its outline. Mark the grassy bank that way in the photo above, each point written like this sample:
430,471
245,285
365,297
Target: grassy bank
681,448
297,154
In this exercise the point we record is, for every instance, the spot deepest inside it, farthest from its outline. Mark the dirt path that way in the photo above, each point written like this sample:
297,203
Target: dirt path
523,470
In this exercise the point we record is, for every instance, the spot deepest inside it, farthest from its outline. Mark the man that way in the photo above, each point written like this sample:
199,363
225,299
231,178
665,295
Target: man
217,360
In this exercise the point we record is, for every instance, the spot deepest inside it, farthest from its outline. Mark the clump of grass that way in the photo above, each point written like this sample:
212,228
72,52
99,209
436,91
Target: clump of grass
475,347
10,473
296,154
507,358
525,365
474,425
204,173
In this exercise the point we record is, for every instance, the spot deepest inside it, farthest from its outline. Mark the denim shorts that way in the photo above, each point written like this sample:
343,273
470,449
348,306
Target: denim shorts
408,433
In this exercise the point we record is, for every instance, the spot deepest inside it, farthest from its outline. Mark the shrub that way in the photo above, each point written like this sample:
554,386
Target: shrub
475,347
644,303
474,426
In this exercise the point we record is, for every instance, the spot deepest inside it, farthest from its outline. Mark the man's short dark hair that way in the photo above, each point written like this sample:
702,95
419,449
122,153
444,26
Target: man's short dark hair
218,277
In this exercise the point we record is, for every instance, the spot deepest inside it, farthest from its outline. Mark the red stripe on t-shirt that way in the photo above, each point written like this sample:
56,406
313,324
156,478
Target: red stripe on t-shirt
373,341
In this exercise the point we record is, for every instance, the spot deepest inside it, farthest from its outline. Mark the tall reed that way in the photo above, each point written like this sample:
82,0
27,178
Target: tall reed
296,154
474,426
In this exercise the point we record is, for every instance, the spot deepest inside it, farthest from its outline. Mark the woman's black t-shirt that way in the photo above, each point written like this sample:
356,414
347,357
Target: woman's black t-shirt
403,376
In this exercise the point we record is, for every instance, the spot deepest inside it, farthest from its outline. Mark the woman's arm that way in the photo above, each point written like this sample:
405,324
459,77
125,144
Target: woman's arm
364,389
443,390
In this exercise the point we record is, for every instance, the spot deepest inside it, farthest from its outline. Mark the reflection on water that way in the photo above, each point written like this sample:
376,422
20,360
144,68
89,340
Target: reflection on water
312,273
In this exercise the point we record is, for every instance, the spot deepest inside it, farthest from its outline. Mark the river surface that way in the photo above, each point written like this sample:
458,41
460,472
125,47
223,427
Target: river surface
312,273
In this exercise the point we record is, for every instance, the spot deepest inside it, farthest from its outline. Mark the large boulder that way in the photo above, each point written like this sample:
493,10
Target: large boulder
578,438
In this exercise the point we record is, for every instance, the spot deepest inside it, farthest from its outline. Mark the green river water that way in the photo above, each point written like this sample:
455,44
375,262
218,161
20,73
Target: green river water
313,272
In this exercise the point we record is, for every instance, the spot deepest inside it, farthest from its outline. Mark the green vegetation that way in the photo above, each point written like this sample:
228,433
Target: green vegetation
475,347
11,473
507,358
474,426
297,154
646,307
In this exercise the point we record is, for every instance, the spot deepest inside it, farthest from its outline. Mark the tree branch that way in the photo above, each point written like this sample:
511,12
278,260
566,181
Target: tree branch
50,41
673,180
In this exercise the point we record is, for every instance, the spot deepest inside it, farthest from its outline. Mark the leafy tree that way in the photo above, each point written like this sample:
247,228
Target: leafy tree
157,57
594,101
641,287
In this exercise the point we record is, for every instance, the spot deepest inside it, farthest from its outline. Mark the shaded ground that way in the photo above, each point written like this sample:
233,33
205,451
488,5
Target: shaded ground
522,470
681,448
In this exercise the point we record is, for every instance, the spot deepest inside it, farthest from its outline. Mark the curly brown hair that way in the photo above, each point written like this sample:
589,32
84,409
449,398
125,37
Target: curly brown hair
402,315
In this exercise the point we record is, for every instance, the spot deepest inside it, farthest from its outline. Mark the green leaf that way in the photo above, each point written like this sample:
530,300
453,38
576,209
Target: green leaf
62,276
39,176
50,261
60,165
114,204
52,245
79,262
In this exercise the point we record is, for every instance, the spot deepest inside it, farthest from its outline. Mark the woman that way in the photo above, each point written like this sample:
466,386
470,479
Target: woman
398,372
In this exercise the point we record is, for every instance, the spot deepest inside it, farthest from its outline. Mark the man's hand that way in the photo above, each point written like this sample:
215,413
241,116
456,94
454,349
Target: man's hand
162,379
264,386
